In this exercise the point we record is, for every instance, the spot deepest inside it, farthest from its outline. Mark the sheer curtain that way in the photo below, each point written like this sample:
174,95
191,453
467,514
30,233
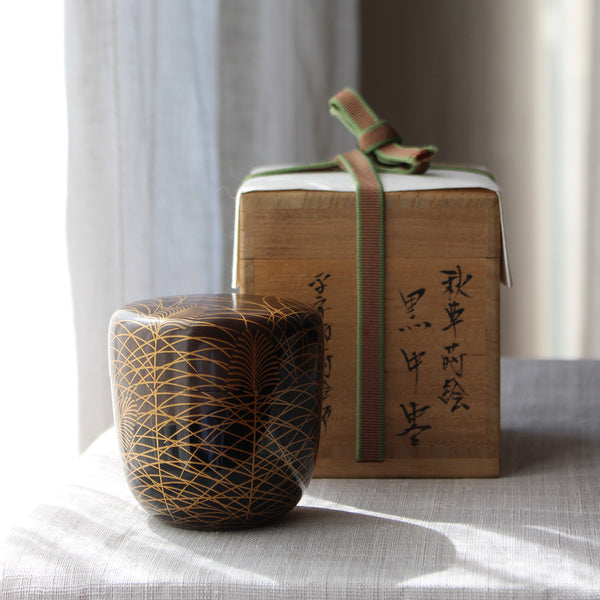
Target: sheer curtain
170,104
592,330
37,366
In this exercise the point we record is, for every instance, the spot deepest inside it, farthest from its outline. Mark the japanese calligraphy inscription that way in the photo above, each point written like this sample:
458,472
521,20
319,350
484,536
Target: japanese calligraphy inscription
438,380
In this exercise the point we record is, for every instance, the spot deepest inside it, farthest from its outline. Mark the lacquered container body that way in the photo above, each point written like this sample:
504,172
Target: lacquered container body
217,403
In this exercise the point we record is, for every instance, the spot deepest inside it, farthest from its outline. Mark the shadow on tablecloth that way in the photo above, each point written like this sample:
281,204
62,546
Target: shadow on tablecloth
317,544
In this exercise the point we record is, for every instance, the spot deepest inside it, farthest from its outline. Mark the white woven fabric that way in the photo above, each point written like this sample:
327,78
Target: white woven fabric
532,533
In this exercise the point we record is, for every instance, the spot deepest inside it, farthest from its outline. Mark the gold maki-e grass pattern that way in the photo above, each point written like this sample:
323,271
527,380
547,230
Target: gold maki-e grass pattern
217,403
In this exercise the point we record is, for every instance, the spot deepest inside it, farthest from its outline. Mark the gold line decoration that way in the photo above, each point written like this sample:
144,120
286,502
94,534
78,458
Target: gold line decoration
217,403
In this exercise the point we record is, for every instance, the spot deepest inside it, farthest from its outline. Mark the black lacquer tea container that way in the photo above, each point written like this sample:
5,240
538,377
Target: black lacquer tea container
217,402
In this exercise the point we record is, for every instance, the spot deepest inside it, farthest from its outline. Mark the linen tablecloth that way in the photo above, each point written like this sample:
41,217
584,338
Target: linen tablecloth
532,533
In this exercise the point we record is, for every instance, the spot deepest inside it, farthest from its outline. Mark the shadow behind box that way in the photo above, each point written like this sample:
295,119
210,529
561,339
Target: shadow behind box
443,253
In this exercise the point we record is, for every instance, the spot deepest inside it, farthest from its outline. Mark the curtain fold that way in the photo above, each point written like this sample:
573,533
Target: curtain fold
592,270
169,105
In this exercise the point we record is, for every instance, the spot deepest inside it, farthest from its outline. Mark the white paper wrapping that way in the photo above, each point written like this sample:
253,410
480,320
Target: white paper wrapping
434,179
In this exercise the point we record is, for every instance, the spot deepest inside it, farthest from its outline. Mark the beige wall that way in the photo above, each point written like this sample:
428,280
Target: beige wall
464,75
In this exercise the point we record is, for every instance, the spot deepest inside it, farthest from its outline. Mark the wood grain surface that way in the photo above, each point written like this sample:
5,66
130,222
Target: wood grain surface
442,266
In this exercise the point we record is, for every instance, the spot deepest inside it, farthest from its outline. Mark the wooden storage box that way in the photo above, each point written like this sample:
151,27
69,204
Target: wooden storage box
444,260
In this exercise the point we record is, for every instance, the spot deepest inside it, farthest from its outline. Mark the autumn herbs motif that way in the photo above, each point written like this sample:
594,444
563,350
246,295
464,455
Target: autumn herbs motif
217,404
453,394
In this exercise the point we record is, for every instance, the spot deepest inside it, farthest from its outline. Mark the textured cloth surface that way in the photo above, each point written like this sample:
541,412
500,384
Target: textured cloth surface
532,533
